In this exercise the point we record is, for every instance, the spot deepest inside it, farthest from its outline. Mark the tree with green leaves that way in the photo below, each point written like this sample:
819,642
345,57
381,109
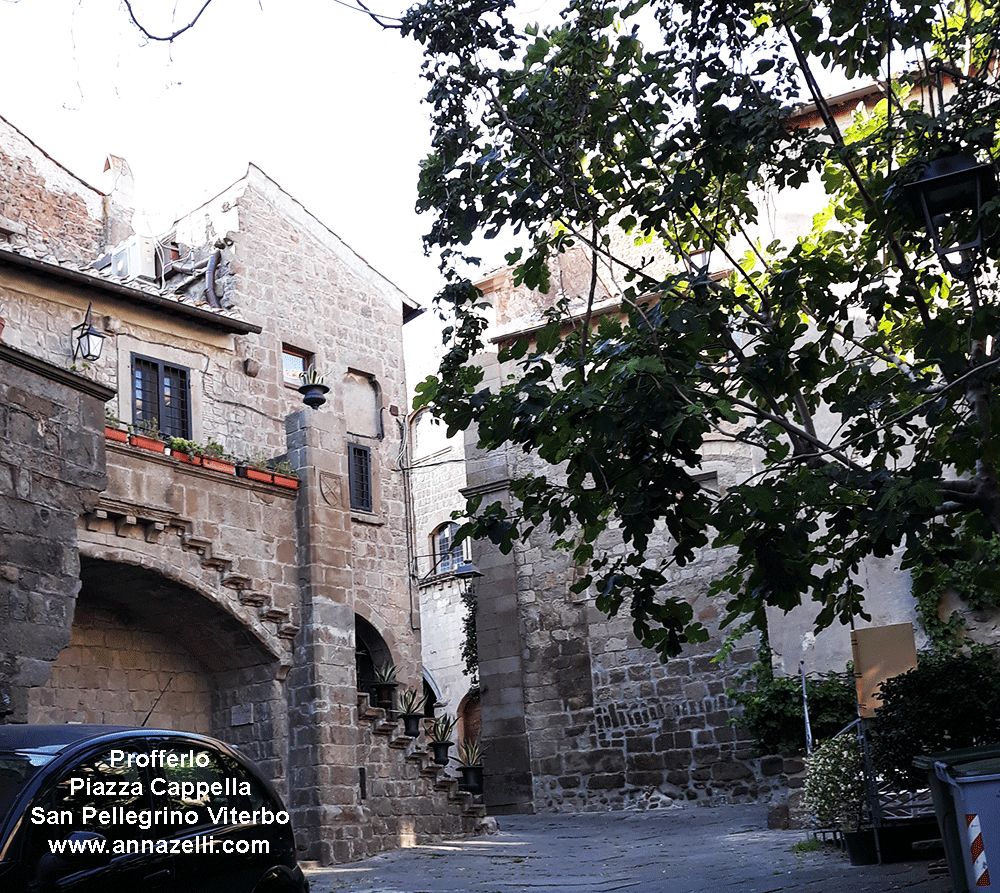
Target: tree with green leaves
858,367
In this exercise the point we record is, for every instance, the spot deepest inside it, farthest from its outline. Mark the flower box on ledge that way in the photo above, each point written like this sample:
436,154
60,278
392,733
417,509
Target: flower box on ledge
115,434
283,480
255,474
147,443
217,464
187,458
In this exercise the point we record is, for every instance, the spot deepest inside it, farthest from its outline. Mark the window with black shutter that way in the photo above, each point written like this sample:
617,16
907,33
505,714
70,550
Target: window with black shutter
161,396
360,477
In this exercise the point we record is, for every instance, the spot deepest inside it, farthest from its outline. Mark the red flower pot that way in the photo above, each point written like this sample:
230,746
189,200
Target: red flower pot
147,443
256,474
216,464
284,481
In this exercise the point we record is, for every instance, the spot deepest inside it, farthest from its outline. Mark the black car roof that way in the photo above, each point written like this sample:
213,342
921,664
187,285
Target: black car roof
54,738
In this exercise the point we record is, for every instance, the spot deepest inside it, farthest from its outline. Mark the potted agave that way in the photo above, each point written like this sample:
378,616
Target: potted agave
255,469
470,764
285,475
411,708
385,684
440,735
186,451
313,389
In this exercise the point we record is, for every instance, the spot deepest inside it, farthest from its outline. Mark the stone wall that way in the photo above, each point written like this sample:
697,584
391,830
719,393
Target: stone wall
46,209
113,673
51,471
578,714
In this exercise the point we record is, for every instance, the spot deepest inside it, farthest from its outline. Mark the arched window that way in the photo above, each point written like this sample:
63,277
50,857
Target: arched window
448,556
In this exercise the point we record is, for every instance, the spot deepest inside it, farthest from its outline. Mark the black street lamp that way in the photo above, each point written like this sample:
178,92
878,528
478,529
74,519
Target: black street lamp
950,196
87,341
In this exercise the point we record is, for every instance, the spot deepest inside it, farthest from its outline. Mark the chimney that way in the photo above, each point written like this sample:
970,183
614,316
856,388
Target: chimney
119,202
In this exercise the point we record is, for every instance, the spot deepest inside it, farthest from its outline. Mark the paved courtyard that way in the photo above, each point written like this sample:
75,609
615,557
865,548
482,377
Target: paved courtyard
728,849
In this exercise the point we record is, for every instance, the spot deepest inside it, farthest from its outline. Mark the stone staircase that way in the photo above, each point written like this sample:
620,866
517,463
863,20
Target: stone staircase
409,799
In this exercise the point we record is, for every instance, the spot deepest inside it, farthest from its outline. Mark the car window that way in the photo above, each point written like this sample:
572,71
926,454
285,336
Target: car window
16,770
208,783
106,793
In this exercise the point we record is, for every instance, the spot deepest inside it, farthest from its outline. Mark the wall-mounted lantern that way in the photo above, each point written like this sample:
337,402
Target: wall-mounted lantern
87,341
950,196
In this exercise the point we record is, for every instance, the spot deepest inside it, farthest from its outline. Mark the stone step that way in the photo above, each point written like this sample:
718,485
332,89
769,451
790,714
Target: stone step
386,728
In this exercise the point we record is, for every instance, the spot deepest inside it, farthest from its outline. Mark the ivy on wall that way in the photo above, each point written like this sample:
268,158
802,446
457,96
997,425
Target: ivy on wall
968,564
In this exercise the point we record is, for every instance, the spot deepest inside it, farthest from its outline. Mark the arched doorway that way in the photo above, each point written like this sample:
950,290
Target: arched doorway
470,722
370,651
147,649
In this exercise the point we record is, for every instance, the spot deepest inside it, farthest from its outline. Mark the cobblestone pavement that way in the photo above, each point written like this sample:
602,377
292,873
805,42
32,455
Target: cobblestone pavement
721,849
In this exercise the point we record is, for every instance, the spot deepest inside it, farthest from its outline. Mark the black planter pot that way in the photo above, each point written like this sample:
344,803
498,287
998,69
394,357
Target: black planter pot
411,724
314,395
861,846
895,842
472,779
440,749
385,693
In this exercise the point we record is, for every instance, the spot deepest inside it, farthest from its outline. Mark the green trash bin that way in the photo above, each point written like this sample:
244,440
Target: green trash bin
959,779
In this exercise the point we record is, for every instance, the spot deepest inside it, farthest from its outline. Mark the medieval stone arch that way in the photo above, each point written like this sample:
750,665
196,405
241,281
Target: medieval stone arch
147,648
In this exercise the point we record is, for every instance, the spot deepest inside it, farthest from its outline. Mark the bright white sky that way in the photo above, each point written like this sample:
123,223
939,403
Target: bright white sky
315,94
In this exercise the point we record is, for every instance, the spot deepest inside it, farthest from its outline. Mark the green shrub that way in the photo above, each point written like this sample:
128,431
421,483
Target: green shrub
834,788
949,701
774,715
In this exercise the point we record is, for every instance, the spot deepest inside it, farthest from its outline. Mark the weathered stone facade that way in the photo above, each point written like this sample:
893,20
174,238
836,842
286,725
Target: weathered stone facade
51,472
136,584
437,475
578,714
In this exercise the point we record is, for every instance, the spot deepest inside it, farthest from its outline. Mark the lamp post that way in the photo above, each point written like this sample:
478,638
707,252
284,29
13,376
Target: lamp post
950,196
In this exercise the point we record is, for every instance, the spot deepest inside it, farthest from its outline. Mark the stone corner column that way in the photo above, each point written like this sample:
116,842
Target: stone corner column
324,793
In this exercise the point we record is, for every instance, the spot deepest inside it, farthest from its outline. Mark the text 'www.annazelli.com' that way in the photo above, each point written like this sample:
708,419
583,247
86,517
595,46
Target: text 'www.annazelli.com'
96,846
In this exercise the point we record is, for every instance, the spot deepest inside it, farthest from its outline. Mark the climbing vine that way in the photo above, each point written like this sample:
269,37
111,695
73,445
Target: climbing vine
969,565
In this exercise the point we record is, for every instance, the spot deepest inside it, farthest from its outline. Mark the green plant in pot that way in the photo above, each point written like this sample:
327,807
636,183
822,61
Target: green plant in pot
145,433
834,792
313,388
410,704
440,734
470,764
385,684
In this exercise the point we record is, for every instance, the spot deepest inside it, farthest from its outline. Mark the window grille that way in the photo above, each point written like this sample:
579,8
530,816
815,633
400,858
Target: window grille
161,396
360,477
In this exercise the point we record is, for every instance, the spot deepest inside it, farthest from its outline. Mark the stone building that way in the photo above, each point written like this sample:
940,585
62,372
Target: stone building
576,714
143,584
437,475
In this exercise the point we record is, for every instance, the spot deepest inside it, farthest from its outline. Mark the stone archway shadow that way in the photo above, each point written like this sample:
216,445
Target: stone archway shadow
146,647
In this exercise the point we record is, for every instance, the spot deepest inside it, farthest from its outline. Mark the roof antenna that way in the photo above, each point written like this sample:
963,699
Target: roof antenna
157,701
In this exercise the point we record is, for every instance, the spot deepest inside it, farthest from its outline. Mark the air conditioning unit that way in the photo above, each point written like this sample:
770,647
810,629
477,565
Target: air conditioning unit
135,258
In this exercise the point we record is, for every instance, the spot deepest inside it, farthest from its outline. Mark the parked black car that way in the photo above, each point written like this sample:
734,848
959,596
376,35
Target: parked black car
121,810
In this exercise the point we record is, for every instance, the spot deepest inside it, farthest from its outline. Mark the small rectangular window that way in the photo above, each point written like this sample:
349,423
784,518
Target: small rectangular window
360,477
293,363
161,396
